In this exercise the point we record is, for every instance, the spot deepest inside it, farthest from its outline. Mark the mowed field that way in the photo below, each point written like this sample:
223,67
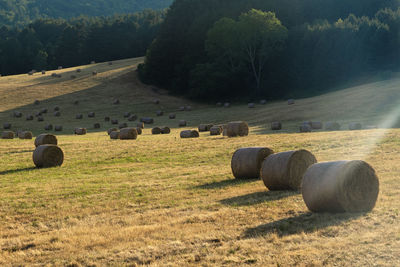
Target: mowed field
166,201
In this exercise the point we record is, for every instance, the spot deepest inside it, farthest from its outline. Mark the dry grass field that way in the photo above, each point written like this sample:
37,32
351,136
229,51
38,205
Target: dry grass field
166,201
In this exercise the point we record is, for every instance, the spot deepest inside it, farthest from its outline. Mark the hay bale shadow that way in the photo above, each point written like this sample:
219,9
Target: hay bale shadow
257,198
225,183
306,222
17,170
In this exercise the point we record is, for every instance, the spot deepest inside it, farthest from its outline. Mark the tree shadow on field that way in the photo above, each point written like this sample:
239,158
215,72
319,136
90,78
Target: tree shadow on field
257,197
226,183
306,222
17,170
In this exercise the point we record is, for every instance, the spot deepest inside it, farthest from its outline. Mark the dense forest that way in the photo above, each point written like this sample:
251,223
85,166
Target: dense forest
48,43
23,12
227,49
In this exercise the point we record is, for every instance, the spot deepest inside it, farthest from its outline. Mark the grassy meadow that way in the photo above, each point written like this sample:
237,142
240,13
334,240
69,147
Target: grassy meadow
166,201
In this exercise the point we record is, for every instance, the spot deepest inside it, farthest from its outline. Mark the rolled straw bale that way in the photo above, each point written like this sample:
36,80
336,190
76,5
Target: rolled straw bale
94,73
355,126
188,108
80,131
216,130
139,130
291,102
284,171
116,102
78,70
128,134
189,134
114,135
7,135
219,104
46,156
112,130
25,135
159,113
127,114
227,105
57,114
36,102
251,105
182,123
38,114
316,125
40,118
156,101
307,123
29,117
332,126
106,118
45,139
91,114
60,67
263,102
43,72
132,118
6,126
305,128
147,120
340,186
56,108
276,125
48,127
165,130
140,125
79,116
172,116
96,126
181,108
123,125
110,63
114,121
237,128
156,130
54,75
43,110
92,62
205,127
58,128
246,162
17,114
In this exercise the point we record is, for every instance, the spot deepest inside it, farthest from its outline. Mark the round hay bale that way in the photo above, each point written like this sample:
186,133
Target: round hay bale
340,186
216,130
7,126
189,134
96,126
316,125
36,102
263,102
246,162
91,114
284,171
251,105
227,105
30,73
128,134
160,113
7,135
147,120
43,72
116,102
79,116
25,135
46,156
29,117
80,131
114,135
56,108
132,118
355,126
45,139
58,75
123,125
182,123
76,102
78,70
48,127
60,67
92,62
165,130
54,75
305,128
139,130
181,108
57,114
58,128
172,116
114,121
40,118
188,108
107,118
156,130
112,130
38,114
94,73
17,114
205,127
291,102
43,110
127,114
237,128
156,101
140,125
219,104
276,126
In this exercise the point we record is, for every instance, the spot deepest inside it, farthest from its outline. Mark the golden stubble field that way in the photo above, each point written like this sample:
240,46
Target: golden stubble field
166,201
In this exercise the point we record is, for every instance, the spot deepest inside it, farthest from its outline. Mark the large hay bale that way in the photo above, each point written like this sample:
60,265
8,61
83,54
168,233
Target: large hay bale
79,116
246,162
40,118
251,105
172,116
340,186
80,131
284,171
147,120
205,127
189,134
291,102
58,128
107,118
114,121
123,125
57,114
127,114
96,126
112,130
128,134
17,114
139,130
29,117
7,135
316,125
156,130
140,125
263,102
45,139
91,114
159,113
276,126
25,135
48,127
216,130
165,130
182,123
237,128
355,126
114,135
7,126
305,128
132,117
46,156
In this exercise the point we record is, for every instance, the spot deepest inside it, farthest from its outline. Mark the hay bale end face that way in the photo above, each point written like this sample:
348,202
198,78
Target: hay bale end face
205,127
216,130
114,121
246,162
7,135
112,130
340,186
284,171
355,126
91,114
46,156
7,126
25,135
165,130
128,134
237,128
114,135
80,131
43,110
58,128
156,130
181,108
140,125
139,130
332,126
276,126
182,123
45,139
189,134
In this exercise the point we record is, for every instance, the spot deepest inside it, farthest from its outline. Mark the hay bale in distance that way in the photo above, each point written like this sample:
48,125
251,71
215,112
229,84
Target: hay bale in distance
43,110
340,186
291,102
114,121
25,135
189,134
132,118
237,128
116,102
57,114
165,130
91,114
305,128
56,108
127,114
7,126
246,162
58,128
227,105
139,130
123,125
263,102
284,171
355,126
45,139
94,73
205,127
112,130
29,117
43,72
251,105
60,67
316,125
172,116
182,123
40,118
140,125
188,108
147,120
96,126
114,135
128,134
159,113
156,130
80,131
38,114
181,108
276,126
219,104
78,70
17,114
107,118
156,101
48,127
76,102
79,116
7,135
46,156
216,130
110,63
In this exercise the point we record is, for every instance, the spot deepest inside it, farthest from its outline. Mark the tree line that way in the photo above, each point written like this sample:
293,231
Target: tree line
220,49
48,43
